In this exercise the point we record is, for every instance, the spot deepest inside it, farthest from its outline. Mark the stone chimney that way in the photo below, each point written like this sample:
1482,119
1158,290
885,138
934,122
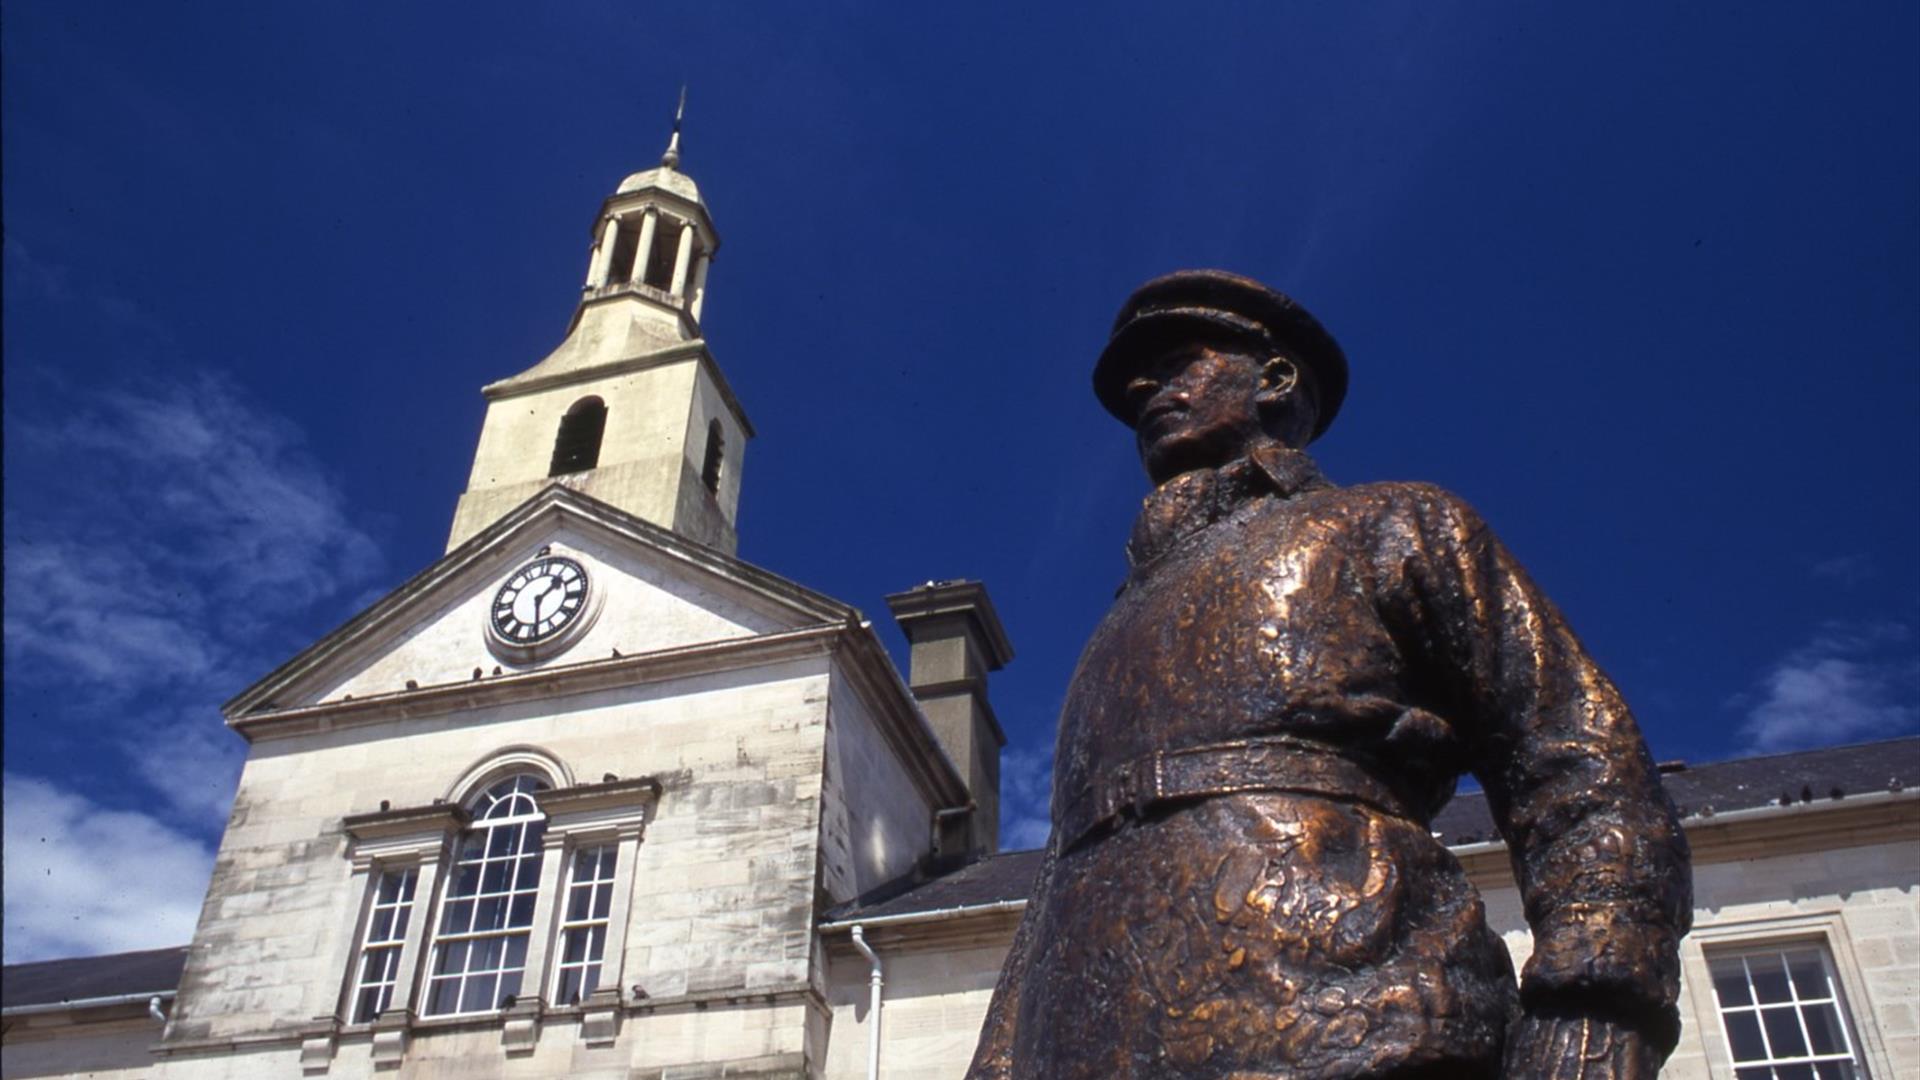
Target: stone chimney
957,640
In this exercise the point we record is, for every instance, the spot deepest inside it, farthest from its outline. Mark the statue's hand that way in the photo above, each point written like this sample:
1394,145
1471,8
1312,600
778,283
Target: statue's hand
1566,1047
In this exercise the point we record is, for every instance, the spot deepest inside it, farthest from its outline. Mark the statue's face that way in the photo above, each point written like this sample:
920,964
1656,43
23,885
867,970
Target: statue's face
1194,408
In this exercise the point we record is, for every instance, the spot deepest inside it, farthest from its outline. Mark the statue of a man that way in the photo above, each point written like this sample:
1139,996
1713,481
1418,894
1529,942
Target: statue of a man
1241,882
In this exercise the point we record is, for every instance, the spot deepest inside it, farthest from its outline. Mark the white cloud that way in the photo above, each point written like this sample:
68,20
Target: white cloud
1026,794
189,538
82,880
1850,682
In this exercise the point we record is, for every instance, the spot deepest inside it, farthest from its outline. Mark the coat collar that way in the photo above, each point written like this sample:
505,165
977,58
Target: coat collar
1194,500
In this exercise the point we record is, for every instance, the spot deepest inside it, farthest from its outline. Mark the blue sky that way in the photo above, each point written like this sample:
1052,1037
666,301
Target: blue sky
1642,283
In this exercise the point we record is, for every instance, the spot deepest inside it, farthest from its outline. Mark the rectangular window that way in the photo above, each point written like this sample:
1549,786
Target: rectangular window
583,929
480,948
380,948
1783,1014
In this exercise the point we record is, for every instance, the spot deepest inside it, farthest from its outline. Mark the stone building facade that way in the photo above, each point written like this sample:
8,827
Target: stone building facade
591,797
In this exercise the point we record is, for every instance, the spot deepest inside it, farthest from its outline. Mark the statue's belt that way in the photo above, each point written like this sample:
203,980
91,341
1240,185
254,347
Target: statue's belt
1270,764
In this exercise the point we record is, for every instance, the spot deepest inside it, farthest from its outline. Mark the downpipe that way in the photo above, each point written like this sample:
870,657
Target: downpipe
875,981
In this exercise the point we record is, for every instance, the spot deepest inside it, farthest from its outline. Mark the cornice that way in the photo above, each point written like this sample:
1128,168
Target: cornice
564,505
561,679
874,679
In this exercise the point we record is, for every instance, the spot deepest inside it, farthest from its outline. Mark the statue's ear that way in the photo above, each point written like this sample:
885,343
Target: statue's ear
1285,401
1279,376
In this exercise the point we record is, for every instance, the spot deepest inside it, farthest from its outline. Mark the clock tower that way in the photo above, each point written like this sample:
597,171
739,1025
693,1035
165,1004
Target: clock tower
630,408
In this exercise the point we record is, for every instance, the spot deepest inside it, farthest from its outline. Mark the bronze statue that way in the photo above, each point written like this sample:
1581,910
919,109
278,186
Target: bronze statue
1241,883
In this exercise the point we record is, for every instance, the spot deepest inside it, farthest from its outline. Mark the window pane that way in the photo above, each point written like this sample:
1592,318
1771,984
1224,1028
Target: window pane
1769,978
458,917
602,901
1835,1070
509,986
488,915
400,924
479,994
1823,1026
502,841
466,882
408,881
598,947
495,878
579,903
1783,1033
575,949
517,951
389,888
484,955
1743,1030
1730,982
1809,975
453,958
1761,1073
528,876
446,995
367,1008
382,928
570,986
522,911
1793,1072
591,981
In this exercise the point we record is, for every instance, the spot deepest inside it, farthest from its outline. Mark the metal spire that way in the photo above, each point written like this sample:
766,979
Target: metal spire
671,159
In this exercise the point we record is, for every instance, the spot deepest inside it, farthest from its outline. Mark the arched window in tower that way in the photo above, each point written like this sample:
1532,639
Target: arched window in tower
716,452
486,916
577,447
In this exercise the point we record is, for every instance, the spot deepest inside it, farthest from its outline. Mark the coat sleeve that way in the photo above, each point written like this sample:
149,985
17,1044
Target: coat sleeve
1597,849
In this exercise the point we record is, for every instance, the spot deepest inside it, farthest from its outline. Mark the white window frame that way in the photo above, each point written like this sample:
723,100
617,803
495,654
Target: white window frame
388,941
1833,1000
424,841
528,844
586,906
1825,927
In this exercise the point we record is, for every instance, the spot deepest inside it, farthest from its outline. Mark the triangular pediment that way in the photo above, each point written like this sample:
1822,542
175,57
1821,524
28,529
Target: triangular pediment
649,590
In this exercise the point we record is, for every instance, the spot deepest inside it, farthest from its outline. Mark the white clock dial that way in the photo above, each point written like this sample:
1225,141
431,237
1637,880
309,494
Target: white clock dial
540,600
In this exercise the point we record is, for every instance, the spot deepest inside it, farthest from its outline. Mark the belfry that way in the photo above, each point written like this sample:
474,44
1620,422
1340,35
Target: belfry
630,408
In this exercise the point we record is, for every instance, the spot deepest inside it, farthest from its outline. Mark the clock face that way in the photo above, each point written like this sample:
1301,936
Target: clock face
540,600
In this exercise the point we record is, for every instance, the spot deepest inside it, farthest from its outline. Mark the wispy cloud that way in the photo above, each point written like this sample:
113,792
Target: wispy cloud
83,880
1026,793
1850,681
173,541
1848,570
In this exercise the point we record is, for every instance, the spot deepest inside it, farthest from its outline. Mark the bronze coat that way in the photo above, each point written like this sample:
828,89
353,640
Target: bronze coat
1285,925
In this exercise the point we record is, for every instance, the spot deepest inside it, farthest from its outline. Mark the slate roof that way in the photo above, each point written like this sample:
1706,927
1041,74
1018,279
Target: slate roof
49,982
996,878
1742,784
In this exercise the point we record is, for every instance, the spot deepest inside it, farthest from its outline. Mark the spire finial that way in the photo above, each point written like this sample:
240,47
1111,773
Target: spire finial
671,159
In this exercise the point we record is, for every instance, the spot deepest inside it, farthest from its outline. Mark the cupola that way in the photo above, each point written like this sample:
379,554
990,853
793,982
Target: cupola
630,408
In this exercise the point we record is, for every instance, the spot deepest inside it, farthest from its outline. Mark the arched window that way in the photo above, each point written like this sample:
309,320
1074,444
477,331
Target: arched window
577,447
486,917
716,452
665,250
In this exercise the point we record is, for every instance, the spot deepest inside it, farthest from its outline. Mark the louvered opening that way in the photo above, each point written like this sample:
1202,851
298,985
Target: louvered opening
577,448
